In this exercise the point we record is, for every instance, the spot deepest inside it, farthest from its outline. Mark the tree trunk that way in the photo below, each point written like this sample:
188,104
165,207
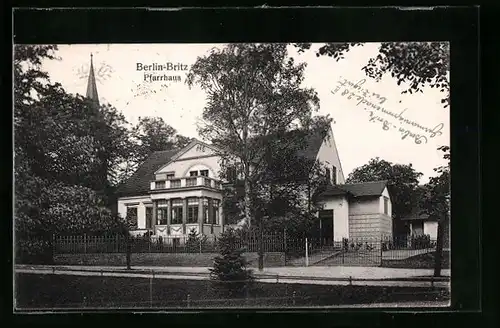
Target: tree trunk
248,200
261,244
438,255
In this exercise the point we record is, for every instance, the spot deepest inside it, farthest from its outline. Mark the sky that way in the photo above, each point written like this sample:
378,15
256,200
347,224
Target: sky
358,128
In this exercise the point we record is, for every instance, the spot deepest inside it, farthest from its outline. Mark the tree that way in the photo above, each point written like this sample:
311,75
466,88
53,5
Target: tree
195,241
436,203
151,134
230,267
57,140
415,64
254,92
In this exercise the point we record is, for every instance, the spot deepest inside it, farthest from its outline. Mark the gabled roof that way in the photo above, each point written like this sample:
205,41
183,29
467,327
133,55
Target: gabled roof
363,189
308,143
139,182
178,153
417,213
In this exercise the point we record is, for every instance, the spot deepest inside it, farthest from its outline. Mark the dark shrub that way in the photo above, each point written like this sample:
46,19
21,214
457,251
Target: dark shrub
230,273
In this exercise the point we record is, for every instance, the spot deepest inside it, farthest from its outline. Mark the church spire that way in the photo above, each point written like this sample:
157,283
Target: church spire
91,85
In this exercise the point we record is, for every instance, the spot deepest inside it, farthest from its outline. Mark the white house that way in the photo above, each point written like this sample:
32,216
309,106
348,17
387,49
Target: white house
174,192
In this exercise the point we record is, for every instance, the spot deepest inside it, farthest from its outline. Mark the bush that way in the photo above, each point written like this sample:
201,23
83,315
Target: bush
33,251
230,272
194,242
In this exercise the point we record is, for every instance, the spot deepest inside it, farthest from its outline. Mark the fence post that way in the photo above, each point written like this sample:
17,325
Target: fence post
200,246
85,243
381,249
307,253
293,298
284,240
188,300
344,251
151,289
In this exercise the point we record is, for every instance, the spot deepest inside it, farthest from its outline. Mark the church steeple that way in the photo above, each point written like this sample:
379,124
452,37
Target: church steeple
91,84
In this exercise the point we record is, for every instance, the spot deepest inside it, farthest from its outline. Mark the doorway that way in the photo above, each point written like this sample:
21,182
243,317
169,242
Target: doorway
326,227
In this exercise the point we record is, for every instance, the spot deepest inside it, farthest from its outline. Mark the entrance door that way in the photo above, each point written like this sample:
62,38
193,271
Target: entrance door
326,227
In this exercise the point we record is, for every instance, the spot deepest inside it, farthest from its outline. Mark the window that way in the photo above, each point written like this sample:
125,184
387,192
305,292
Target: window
177,207
175,183
192,210
162,212
204,173
386,205
149,217
215,209
132,214
207,182
205,211
328,174
334,175
170,175
160,185
193,173
190,182
162,216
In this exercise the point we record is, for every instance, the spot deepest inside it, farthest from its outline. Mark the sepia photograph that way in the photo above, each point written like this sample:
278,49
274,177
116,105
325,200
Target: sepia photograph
174,176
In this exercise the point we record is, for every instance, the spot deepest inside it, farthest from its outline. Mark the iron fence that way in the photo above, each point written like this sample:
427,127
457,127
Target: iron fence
366,251
88,244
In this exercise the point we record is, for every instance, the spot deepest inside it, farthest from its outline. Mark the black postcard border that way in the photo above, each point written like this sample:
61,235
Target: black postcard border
459,25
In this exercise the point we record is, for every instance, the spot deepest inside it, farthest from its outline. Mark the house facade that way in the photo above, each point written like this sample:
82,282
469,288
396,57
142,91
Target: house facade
176,192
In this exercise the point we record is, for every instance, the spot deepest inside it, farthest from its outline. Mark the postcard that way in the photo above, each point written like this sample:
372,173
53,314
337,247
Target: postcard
238,175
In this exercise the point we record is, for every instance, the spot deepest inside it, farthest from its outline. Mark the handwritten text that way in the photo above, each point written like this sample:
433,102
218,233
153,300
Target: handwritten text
372,103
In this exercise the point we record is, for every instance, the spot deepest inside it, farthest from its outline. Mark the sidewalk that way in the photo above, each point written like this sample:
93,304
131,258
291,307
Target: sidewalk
364,276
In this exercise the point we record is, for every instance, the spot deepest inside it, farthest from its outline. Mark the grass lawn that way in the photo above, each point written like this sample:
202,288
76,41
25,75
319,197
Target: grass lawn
65,291
422,261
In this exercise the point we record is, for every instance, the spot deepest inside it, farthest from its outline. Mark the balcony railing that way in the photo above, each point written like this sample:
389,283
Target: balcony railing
200,181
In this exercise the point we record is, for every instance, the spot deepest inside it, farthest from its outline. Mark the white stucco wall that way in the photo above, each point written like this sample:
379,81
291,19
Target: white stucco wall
430,228
197,149
385,193
186,194
140,202
367,218
365,205
182,167
340,207
328,155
